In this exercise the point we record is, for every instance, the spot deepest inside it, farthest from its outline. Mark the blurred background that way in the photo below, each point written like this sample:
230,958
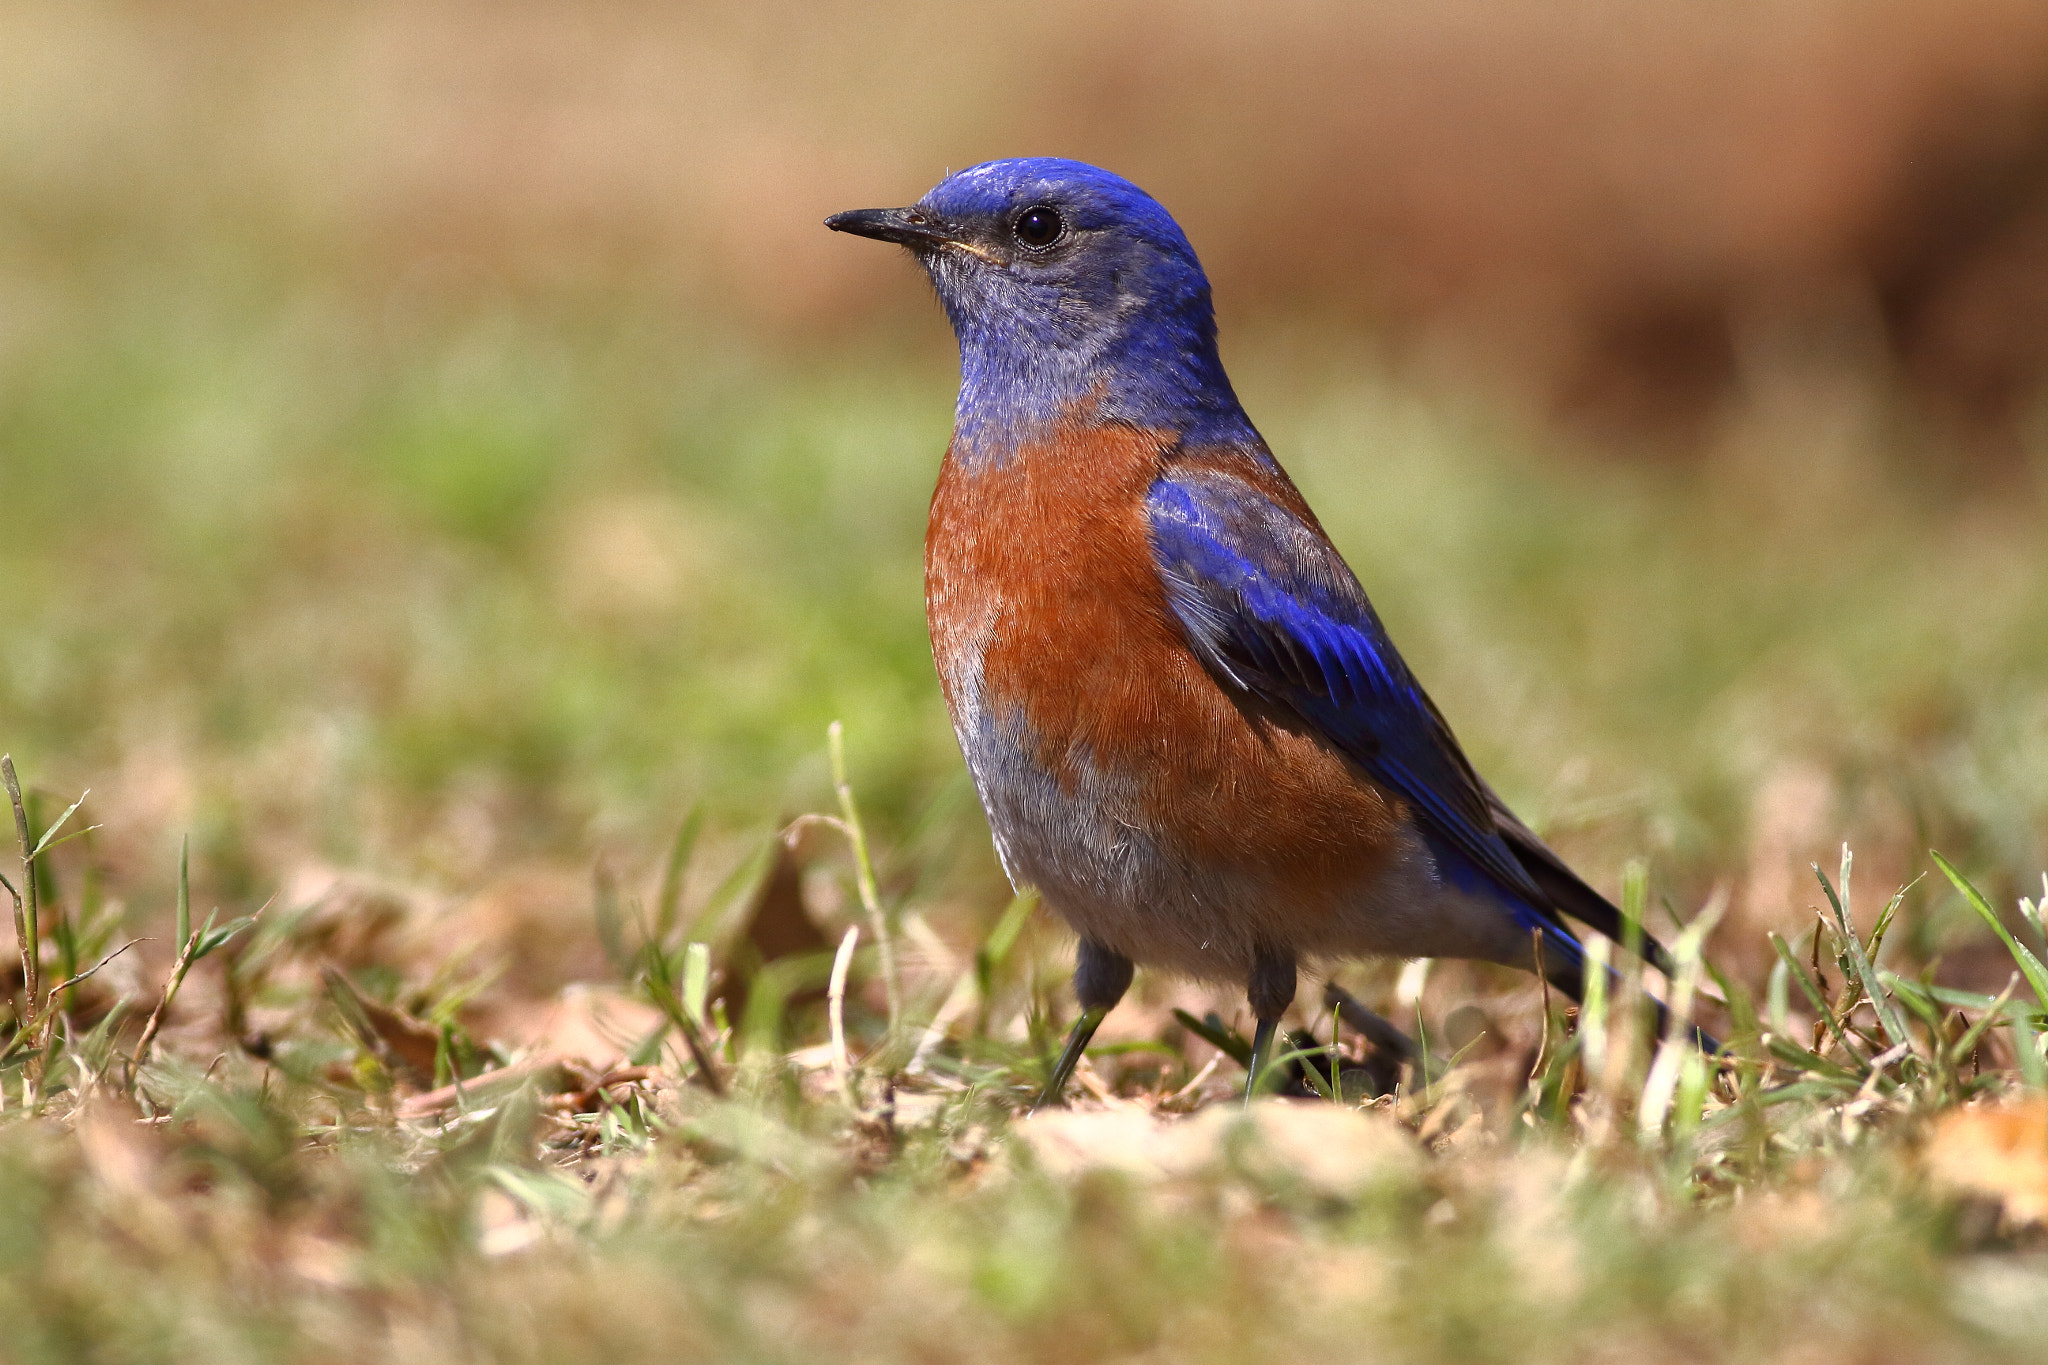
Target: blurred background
440,447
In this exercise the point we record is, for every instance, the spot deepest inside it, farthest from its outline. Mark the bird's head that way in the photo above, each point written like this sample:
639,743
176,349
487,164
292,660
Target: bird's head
1063,282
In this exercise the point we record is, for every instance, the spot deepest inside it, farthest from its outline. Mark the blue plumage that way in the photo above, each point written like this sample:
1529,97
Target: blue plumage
1268,603
1125,318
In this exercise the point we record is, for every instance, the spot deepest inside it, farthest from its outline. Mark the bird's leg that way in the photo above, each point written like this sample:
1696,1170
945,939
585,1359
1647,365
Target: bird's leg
1271,991
1101,976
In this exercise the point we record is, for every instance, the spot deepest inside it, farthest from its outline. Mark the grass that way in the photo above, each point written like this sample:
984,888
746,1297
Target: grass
715,1193
481,642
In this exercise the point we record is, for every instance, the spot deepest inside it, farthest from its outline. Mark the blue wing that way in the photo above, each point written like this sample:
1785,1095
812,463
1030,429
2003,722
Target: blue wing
1270,606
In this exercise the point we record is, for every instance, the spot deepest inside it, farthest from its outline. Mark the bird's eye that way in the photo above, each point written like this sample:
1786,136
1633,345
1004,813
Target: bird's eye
1038,227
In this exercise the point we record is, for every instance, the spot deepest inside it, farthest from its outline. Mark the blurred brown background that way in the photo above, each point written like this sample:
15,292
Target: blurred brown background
1613,211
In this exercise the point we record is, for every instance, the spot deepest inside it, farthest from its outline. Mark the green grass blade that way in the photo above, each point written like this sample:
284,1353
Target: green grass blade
1941,995
1004,936
2026,1047
1798,1092
1916,998
609,918
1890,913
1218,1037
1812,991
1789,1052
696,982
184,892
1741,1004
1967,1044
1324,1084
1635,897
1887,1010
1593,1009
2029,965
668,901
996,947
1777,997
50,831
211,938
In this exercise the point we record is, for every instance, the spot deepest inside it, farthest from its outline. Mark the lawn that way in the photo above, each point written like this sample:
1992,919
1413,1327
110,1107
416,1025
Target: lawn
452,658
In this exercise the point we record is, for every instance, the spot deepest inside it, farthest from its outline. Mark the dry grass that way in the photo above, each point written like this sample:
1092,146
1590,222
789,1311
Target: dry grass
329,1159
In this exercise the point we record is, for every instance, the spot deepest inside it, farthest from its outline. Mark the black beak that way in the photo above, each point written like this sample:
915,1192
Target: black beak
913,227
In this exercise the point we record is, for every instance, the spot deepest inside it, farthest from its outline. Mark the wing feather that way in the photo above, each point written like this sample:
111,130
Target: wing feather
1271,607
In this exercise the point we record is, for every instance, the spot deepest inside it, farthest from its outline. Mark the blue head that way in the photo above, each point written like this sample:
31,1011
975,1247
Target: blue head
1065,282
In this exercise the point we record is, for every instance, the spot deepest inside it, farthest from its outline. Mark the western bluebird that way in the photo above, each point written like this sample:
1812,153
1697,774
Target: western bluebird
1186,723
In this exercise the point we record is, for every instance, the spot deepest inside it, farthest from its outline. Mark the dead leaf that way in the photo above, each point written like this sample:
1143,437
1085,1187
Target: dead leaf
1999,1153
349,920
777,925
404,1044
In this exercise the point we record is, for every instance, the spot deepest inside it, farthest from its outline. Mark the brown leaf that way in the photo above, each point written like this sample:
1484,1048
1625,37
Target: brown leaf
1999,1153
405,1045
778,924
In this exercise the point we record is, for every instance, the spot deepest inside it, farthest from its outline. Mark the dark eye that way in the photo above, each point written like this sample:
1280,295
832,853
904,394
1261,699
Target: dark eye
1039,226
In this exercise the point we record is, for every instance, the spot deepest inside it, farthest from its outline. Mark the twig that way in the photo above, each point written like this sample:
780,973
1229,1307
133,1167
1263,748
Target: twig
69,982
476,1087
194,944
163,1002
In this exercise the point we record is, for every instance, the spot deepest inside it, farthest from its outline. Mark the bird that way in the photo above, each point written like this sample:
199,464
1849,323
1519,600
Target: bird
1187,725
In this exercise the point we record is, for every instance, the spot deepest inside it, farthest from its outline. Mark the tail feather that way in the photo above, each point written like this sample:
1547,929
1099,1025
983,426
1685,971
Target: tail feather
1569,895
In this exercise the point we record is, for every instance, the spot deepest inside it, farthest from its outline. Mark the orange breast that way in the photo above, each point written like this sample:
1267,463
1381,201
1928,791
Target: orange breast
1056,645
